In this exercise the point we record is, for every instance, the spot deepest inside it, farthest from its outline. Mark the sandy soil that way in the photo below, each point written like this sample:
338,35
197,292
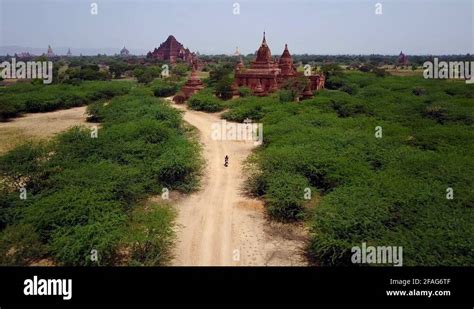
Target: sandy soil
219,225
40,126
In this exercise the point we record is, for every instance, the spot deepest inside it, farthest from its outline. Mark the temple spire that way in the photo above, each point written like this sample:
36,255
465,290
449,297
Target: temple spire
264,40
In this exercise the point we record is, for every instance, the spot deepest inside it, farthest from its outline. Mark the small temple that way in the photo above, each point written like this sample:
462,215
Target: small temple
192,85
69,54
266,75
402,59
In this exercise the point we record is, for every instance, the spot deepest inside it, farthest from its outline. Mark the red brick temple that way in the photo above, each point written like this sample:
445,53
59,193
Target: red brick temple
266,74
192,85
171,50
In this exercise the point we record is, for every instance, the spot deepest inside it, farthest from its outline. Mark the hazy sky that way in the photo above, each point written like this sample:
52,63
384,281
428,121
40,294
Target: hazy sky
209,26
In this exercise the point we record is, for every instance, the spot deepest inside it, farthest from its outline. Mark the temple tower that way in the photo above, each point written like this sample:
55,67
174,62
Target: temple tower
286,63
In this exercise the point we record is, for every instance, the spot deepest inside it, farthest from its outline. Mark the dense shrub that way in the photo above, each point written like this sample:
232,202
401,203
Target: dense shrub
250,107
84,193
331,70
335,82
285,196
87,72
150,235
219,73
205,101
379,72
20,98
20,245
223,88
244,92
389,191
165,89
349,88
418,91
23,166
146,74
287,96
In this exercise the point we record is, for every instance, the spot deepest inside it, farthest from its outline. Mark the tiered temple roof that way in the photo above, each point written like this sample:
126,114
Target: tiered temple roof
266,75
171,50
192,85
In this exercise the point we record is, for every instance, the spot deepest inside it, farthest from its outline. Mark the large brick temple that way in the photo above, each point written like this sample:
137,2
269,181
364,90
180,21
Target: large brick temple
171,50
266,74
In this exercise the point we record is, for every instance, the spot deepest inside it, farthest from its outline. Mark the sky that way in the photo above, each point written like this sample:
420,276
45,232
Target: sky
211,27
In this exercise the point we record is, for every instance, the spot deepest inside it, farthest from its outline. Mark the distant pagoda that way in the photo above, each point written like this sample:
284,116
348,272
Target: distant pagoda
69,54
402,59
237,52
50,53
124,52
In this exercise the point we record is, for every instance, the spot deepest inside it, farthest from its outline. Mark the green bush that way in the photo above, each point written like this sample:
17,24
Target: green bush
223,88
205,101
23,166
83,192
20,245
287,96
74,245
150,235
165,89
20,98
285,196
389,191
380,72
244,92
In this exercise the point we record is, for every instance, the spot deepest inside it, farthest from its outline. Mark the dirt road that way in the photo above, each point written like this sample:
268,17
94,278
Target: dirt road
219,226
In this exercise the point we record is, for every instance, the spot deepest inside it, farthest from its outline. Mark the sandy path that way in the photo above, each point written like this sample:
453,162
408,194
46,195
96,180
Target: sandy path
218,225
40,126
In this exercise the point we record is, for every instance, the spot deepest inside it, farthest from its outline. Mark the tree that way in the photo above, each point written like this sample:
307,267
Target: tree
218,73
180,70
224,88
295,86
331,69
117,69
146,75
145,78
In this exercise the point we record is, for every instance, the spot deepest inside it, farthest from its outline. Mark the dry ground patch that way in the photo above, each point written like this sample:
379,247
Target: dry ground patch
37,126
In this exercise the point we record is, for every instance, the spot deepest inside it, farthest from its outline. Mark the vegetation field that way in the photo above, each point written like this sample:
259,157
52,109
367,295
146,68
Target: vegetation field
29,97
81,194
391,189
